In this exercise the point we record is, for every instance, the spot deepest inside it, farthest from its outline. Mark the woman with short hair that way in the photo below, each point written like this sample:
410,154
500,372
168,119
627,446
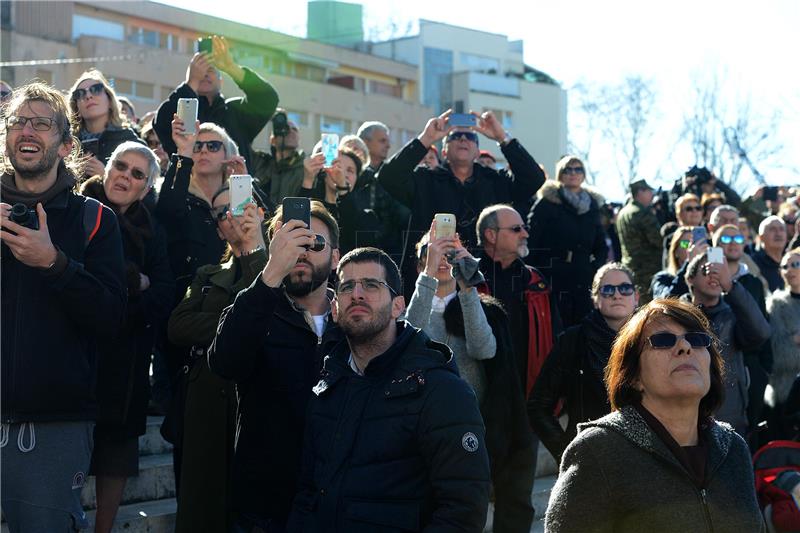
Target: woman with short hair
659,462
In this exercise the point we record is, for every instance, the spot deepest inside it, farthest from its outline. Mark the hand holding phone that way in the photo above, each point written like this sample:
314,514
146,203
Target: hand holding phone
330,147
187,112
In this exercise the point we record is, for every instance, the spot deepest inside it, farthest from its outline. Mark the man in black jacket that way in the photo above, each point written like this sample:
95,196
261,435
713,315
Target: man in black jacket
242,118
271,342
63,289
460,185
394,439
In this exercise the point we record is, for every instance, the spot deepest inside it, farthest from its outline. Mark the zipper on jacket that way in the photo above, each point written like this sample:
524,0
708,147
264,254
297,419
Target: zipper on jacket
705,510
177,169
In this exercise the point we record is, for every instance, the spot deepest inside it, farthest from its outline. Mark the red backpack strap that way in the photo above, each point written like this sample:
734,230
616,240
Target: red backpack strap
92,217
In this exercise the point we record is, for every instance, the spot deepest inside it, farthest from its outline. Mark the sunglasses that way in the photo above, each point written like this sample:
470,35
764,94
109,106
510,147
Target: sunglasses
516,229
665,340
122,166
319,244
95,90
37,123
624,289
690,208
213,146
727,239
791,264
153,143
573,170
221,212
3,94
468,135
685,244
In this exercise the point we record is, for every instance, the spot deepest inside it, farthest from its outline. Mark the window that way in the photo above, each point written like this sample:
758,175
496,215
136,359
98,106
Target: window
144,90
508,120
332,125
83,25
377,87
146,37
122,86
438,86
482,63
137,89
298,117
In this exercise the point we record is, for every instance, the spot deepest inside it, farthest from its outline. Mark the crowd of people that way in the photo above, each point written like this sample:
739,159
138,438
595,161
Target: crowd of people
373,368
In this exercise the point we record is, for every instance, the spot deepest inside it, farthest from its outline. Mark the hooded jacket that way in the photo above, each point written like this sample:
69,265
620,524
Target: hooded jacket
619,476
400,448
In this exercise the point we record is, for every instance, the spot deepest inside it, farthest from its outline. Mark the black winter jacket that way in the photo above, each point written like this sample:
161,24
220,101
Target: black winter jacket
401,448
266,345
618,476
427,192
573,372
52,322
242,117
110,139
567,248
192,238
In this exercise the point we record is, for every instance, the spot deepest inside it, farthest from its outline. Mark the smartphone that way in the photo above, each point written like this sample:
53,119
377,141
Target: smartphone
463,120
187,112
715,255
241,188
445,225
204,44
295,208
771,193
330,147
699,234
91,147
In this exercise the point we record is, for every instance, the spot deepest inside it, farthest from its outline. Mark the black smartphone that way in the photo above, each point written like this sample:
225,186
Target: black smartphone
296,208
771,193
91,147
204,45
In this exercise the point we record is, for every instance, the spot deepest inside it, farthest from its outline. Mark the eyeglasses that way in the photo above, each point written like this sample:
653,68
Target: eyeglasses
468,135
221,212
516,229
664,340
573,170
122,166
791,264
370,285
684,243
727,239
690,208
38,123
213,146
153,143
624,289
95,90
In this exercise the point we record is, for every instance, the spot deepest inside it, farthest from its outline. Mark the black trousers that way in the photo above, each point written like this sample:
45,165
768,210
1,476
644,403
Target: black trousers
513,488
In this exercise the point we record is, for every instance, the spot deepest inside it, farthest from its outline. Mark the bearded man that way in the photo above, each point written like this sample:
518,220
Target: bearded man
271,342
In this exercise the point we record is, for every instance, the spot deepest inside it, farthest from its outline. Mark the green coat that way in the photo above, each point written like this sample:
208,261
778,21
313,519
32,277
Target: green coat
210,410
641,243
281,178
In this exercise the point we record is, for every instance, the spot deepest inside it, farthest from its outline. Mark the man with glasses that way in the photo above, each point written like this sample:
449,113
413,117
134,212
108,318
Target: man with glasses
394,439
63,289
639,238
271,342
738,324
460,185
242,117
533,318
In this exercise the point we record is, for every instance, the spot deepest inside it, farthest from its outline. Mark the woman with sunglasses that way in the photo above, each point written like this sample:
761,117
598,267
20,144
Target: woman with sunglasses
123,367
681,250
784,313
659,461
209,414
574,369
567,240
98,121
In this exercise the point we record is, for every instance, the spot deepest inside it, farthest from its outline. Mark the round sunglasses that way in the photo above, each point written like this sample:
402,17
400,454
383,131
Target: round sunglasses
624,289
664,340
94,90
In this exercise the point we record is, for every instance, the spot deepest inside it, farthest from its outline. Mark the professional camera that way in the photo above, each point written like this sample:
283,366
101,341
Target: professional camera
280,124
701,175
22,215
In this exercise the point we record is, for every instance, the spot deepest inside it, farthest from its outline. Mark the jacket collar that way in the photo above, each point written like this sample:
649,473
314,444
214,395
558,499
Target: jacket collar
551,190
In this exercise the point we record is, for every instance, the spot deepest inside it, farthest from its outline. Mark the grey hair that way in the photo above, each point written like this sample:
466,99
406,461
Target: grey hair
769,220
366,129
357,143
153,169
231,148
714,218
488,219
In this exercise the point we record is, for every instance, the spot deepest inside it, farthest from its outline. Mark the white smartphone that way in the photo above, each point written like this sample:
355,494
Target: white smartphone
330,147
241,188
445,225
715,255
187,112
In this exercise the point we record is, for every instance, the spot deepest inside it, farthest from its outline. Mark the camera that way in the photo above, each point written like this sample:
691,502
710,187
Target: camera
22,215
280,124
701,174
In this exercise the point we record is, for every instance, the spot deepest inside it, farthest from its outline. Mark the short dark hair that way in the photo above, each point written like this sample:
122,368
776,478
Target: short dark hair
374,255
622,371
319,212
696,264
354,157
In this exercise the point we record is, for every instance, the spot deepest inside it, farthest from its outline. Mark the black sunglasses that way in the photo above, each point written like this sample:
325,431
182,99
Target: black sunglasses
213,146
573,170
516,229
122,166
790,264
624,289
690,208
664,340
96,89
470,136
319,243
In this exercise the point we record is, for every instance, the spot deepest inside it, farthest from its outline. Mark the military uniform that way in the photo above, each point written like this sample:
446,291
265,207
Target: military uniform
641,244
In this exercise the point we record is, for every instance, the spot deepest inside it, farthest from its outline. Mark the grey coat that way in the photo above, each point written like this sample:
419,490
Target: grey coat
618,476
784,317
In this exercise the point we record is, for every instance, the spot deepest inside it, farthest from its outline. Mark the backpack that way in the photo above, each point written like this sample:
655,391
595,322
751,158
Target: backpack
777,474
92,217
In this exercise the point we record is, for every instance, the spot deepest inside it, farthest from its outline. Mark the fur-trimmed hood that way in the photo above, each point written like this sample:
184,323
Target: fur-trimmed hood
551,188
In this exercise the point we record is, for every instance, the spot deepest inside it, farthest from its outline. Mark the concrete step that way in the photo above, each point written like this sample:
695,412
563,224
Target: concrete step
545,464
154,482
151,443
143,517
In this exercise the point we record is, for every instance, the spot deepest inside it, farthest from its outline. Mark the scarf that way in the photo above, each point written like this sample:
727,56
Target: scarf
599,338
10,194
581,200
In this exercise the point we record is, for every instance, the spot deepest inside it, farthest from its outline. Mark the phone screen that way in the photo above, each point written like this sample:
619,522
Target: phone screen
204,44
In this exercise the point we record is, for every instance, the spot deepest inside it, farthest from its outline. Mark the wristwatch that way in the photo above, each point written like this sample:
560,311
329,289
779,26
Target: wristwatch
505,141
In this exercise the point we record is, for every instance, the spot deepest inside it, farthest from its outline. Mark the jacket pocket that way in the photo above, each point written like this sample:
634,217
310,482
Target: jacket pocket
382,516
